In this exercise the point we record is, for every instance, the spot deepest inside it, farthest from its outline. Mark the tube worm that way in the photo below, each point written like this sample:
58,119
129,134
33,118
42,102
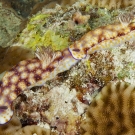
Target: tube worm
47,65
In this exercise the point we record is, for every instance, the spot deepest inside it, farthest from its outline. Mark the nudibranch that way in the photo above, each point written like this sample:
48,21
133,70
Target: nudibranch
29,73
104,37
47,65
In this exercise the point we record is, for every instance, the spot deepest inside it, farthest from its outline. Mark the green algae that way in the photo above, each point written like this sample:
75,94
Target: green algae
49,38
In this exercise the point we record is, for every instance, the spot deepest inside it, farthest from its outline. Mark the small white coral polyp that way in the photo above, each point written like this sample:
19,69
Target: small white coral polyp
112,111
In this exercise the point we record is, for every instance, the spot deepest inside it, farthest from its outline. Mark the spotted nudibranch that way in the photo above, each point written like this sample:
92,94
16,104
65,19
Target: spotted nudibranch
47,65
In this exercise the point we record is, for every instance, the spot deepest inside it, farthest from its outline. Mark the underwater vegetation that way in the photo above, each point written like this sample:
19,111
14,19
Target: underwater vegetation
19,10
50,30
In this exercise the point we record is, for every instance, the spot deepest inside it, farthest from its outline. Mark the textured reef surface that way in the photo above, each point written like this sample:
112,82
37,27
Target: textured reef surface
9,27
70,100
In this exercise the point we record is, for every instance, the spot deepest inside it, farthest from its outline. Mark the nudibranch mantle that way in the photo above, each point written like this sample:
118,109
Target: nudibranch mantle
37,71
29,73
102,38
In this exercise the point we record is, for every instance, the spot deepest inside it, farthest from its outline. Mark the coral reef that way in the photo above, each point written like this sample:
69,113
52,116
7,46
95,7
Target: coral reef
50,28
114,64
18,10
66,24
60,103
112,111
112,3
74,89
125,66
104,71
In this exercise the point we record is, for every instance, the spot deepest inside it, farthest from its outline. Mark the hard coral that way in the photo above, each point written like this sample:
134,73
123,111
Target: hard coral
112,3
112,111
33,130
11,127
14,127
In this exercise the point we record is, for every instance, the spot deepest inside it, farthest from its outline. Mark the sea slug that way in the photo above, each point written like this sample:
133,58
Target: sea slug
47,65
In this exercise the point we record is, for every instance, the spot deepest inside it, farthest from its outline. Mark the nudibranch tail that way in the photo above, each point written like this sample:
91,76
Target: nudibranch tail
104,37
29,73
5,107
